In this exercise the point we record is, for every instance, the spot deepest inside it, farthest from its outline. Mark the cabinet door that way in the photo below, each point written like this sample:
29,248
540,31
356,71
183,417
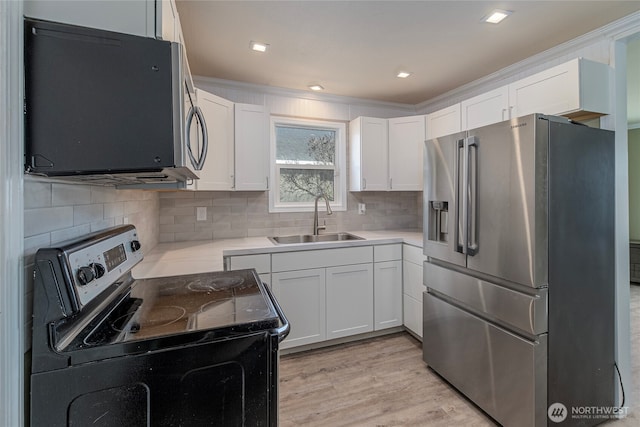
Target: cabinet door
412,288
368,153
488,108
444,122
406,142
251,147
167,27
552,91
388,294
217,173
349,300
129,17
413,315
412,283
301,295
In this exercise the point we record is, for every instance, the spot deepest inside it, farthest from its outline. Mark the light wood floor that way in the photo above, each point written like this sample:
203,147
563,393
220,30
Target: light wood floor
384,382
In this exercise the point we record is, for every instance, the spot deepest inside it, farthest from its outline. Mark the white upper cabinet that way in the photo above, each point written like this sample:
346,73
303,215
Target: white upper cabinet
251,147
238,154
444,122
238,151
485,109
386,154
406,142
575,88
368,147
150,18
217,173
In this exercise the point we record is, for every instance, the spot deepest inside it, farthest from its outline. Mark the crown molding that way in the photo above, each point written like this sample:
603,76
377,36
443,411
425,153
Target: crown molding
616,30
300,94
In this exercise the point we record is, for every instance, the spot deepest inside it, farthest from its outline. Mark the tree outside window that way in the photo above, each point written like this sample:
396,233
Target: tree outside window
307,163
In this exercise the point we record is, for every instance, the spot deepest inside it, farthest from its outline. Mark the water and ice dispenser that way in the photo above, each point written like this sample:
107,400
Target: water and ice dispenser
438,216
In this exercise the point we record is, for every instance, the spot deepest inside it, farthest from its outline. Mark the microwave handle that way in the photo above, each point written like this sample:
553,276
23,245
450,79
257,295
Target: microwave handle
199,163
205,139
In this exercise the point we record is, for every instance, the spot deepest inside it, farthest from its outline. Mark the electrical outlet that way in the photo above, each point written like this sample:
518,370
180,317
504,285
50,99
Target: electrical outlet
201,213
361,209
125,220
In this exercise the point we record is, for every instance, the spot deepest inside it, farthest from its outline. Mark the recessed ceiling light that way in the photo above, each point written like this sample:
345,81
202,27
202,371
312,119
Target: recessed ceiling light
258,46
496,16
403,74
316,87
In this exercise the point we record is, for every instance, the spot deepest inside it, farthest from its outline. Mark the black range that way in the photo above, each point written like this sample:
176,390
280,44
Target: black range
199,349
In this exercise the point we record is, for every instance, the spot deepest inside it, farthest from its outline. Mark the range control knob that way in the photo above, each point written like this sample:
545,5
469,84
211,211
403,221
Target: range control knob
85,275
98,270
135,245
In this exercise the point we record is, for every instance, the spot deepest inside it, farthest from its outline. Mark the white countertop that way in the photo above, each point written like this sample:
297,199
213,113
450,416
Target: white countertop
173,259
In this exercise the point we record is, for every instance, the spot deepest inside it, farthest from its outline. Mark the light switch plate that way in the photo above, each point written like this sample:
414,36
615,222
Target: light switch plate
361,208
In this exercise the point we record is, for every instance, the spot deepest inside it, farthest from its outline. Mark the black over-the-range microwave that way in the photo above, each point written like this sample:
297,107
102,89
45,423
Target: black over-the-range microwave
109,108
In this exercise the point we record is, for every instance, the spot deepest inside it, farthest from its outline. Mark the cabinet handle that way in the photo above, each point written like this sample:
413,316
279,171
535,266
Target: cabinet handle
364,183
390,183
504,110
233,182
267,182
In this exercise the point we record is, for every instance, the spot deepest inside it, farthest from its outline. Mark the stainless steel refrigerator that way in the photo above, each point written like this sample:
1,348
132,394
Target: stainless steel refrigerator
519,238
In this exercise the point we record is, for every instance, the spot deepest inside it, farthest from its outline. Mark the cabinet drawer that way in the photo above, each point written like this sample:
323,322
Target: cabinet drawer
261,262
522,311
303,260
412,254
387,252
487,363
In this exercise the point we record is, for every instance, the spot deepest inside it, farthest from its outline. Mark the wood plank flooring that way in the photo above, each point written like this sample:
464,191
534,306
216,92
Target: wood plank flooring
384,382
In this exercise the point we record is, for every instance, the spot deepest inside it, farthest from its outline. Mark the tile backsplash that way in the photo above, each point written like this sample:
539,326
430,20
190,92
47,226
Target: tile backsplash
246,214
54,212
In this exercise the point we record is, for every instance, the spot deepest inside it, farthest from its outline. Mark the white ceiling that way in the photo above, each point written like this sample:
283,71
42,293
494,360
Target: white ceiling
355,48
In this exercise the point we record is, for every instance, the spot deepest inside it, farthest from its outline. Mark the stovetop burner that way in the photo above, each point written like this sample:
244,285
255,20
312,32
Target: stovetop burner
205,284
175,305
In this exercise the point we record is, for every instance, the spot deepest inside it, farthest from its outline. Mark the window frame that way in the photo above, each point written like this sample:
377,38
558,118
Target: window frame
340,162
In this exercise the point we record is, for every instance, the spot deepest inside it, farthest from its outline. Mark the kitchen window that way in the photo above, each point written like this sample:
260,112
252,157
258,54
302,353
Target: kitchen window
308,159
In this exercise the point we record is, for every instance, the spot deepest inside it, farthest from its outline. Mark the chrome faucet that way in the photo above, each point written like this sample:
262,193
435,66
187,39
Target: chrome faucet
316,227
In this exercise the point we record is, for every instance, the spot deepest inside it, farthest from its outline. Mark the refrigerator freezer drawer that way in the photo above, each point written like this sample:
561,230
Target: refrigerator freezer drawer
502,373
516,310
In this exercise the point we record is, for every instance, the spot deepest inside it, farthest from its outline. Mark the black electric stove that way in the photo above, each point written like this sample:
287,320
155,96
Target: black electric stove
109,350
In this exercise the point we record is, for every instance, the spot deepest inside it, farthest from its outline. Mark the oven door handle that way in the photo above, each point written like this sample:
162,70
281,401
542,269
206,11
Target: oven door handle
283,330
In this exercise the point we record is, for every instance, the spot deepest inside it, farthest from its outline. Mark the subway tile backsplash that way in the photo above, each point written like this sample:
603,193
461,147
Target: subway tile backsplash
58,211
246,214
54,212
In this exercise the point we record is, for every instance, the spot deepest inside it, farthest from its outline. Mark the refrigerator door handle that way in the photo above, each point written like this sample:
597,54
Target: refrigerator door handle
472,185
461,199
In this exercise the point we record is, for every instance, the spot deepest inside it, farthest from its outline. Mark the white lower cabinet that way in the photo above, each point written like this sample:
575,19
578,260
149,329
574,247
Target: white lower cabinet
349,300
302,296
388,294
261,263
412,288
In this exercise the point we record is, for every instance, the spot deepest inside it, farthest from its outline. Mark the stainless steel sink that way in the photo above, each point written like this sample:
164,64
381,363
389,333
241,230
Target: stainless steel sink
310,238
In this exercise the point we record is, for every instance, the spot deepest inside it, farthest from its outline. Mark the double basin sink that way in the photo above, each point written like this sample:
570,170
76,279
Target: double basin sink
310,238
